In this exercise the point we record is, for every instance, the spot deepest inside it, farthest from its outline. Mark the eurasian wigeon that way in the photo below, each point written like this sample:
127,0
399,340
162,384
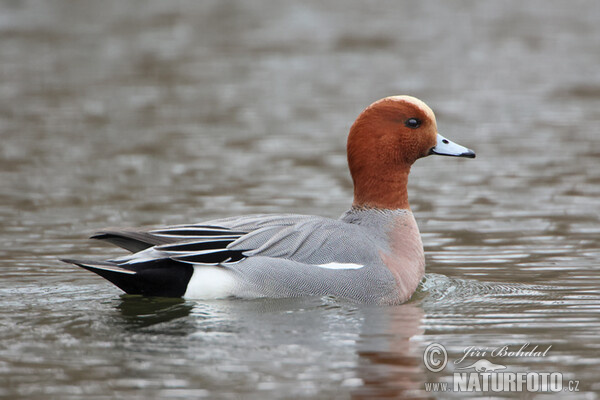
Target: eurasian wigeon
372,254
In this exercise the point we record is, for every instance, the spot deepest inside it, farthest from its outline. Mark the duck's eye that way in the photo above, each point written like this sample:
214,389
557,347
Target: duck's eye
413,123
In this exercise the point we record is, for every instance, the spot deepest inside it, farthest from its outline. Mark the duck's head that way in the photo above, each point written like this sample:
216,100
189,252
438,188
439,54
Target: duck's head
384,141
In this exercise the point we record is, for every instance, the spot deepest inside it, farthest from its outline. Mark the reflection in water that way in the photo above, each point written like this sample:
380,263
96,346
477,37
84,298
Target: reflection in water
142,312
389,364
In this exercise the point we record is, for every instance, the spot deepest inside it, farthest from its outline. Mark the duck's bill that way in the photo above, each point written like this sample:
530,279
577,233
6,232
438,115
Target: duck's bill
445,147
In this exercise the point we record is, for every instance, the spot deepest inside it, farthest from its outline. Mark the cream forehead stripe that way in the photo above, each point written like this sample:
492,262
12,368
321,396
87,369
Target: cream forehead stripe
417,103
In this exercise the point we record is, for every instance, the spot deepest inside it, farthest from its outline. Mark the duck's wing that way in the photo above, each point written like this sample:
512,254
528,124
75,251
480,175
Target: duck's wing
229,240
162,259
277,255
135,239
313,241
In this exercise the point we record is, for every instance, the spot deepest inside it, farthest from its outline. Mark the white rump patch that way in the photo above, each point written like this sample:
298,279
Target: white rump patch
336,265
210,283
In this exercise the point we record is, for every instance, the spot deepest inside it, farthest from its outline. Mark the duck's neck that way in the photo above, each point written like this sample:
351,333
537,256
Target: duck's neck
384,192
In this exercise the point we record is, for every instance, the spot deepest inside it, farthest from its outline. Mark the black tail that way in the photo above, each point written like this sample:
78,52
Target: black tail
163,277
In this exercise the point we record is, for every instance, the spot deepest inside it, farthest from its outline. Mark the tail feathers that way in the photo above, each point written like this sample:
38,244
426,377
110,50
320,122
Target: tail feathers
100,265
162,277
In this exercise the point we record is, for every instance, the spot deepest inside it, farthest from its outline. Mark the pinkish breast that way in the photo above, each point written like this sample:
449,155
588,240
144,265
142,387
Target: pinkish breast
406,258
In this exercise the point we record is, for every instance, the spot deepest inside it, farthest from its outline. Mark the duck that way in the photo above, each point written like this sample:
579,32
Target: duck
372,254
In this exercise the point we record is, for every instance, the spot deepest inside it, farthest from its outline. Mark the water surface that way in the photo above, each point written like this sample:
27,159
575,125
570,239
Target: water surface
151,113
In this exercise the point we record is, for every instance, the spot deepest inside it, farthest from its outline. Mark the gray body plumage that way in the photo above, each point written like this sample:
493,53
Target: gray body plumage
288,249
254,256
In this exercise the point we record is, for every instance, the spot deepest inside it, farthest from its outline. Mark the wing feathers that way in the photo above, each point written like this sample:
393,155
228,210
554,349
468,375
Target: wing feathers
164,259
138,240
132,241
195,231
200,245
211,257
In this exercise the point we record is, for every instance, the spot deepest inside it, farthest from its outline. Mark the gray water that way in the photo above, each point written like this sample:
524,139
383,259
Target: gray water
151,113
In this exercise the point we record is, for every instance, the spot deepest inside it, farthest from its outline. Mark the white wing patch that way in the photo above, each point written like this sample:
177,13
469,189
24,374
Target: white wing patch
336,265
